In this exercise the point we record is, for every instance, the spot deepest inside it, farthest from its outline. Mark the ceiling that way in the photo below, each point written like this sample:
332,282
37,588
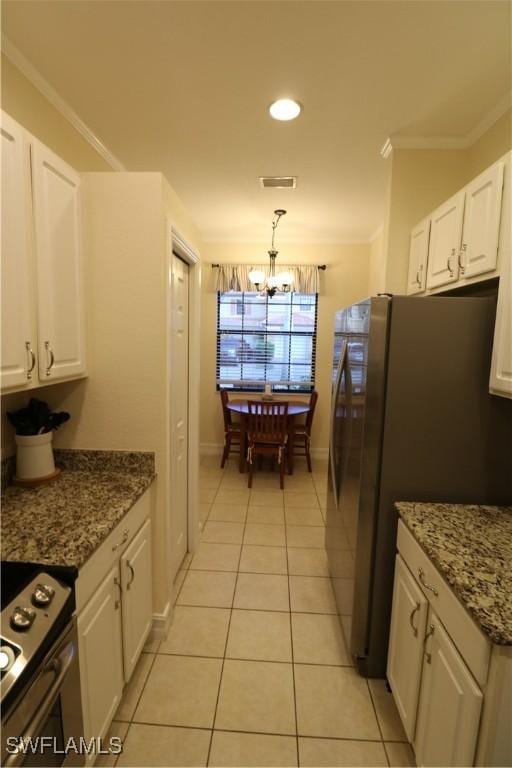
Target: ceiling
183,87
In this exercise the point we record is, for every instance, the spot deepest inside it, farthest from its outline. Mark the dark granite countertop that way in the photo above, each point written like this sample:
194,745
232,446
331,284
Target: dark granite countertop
65,521
471,546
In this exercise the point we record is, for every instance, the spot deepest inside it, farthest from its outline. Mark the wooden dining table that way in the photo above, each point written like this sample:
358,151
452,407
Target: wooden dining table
241,407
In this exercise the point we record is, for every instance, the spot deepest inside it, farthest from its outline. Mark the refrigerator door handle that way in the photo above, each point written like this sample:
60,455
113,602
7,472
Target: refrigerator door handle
335,393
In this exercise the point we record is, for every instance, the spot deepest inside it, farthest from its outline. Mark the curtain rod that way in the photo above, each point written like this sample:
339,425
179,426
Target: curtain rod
319,266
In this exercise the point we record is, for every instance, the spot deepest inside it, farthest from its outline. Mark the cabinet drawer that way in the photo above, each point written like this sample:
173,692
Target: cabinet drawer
112,548
472,644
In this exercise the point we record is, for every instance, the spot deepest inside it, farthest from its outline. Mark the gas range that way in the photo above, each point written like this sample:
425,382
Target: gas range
35,607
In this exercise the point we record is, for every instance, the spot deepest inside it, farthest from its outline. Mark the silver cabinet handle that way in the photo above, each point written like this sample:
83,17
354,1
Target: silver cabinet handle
428,655
126,533
49,354
132,572
421,577
449,262
411,619
117,603
30,351
462,251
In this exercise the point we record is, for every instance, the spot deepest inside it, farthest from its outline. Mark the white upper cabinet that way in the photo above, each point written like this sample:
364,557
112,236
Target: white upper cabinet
479,251
501,366
445,242
56,193
418,255
464,244
43,333
18,332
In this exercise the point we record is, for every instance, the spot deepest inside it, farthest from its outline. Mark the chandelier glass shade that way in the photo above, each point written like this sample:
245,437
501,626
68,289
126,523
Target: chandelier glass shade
271,283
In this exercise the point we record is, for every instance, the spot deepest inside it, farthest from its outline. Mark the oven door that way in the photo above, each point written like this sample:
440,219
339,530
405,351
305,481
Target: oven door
47,714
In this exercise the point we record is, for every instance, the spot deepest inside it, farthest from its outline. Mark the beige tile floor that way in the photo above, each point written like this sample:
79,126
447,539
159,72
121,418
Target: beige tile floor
254,671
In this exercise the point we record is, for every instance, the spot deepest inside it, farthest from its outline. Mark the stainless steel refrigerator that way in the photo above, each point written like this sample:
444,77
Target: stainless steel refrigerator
411,419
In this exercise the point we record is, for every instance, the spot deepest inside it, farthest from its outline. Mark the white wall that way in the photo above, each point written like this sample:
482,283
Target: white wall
344,282
377,274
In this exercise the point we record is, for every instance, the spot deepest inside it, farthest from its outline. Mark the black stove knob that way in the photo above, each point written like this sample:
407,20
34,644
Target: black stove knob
22,619
42,595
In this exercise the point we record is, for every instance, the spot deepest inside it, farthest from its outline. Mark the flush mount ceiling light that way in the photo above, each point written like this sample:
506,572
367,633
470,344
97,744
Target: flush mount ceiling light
272,283
285,109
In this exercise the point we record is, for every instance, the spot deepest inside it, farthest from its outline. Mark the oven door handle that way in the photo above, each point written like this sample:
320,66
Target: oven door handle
60,666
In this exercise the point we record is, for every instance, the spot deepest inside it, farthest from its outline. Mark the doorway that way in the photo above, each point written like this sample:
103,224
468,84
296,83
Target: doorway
183,382
180,405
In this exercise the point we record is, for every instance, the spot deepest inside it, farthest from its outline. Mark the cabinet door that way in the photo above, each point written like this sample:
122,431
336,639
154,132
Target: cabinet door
418,255
137,603
100,654
56,192
17,327
450,704
501,366
405,656
445,242
479,253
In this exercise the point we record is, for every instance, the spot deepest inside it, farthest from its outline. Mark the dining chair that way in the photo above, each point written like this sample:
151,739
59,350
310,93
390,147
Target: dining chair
267,433
232,432
302,432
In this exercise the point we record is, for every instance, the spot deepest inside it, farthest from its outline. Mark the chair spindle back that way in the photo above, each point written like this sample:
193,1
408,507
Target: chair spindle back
267,421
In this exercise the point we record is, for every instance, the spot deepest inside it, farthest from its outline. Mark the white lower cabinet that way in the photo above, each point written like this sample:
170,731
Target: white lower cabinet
449,706
136,586
451,685
405,658
114,607
99,645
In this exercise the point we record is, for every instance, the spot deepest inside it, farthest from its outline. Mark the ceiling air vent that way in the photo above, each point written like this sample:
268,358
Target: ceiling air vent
278,182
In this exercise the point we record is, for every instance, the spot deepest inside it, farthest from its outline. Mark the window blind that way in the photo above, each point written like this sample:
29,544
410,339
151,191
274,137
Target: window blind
262,340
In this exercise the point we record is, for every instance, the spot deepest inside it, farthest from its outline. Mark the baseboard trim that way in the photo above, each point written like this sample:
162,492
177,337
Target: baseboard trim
210,449
215,449
161,623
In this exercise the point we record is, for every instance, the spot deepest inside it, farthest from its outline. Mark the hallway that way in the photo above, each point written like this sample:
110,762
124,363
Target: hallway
255,671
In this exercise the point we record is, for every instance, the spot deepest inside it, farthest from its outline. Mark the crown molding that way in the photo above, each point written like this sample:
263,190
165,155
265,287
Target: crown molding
449,142
490,118
49,92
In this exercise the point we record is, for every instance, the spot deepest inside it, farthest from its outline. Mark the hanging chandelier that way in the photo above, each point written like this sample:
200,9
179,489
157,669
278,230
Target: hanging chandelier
272,283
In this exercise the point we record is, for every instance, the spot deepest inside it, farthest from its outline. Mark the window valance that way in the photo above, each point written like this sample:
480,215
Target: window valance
235,277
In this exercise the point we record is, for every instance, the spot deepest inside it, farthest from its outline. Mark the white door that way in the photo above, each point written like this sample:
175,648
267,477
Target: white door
480,235
450,704
418,255
445,242
56,191
179,408
18,336
405,656
100,653
137,601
